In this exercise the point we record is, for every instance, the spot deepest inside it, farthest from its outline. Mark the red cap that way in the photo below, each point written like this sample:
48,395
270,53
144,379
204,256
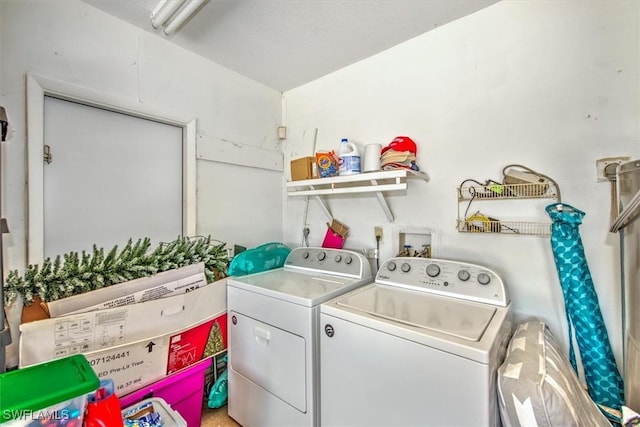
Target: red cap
401,143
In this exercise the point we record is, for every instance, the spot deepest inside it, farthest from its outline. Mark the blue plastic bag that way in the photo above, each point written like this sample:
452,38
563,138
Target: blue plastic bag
219,392
262,258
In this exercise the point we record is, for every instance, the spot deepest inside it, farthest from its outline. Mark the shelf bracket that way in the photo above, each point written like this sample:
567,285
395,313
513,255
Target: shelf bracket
383,202
323,205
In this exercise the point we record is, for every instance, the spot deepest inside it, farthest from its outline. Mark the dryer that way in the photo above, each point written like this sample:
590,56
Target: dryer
418,347
273,335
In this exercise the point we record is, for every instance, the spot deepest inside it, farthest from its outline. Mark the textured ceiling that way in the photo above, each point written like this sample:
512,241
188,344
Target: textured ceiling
286,43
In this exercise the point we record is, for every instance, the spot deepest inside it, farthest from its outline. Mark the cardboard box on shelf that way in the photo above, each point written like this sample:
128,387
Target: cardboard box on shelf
303,168
136,344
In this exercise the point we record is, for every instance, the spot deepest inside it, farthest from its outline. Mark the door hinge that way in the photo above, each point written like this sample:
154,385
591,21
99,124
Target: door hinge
48,157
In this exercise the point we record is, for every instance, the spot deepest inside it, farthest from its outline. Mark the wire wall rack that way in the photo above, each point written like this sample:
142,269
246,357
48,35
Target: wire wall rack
524,228
508,191
474,221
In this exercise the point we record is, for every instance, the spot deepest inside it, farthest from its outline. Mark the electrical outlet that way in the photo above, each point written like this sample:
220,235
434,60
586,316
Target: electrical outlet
378,231
282,132
601,165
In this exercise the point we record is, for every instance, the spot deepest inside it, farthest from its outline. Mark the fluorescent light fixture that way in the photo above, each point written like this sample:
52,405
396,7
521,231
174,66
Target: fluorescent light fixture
183,14
163,11
172,14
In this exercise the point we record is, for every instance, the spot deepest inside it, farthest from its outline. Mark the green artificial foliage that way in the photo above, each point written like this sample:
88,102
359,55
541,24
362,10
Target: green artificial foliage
75,273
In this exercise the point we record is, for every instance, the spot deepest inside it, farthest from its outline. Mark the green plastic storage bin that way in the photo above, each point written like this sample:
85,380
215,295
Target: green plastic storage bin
56,391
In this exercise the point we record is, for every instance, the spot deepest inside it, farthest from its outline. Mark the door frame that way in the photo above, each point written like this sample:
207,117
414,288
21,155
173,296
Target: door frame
37,88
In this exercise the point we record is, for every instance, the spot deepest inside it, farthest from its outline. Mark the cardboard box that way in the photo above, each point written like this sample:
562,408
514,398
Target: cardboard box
338,228
136,344
161,285
303,168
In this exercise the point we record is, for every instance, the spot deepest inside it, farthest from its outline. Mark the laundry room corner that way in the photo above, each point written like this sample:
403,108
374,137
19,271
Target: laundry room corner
319,213
490,99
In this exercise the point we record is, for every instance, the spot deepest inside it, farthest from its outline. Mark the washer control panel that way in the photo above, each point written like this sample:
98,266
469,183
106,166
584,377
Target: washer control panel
445,277
335,261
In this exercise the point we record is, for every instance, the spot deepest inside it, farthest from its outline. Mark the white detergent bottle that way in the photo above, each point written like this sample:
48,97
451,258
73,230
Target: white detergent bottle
349,158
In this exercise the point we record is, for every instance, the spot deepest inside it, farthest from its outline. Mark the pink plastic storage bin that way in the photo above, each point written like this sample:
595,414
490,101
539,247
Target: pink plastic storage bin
183,391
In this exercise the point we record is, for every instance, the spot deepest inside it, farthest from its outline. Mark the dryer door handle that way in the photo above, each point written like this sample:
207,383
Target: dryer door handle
262,335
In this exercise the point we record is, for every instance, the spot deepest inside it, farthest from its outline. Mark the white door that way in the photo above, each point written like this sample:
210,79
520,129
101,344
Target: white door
111,177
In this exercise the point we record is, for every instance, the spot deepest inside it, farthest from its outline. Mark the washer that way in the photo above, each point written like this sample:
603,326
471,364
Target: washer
274,334
418,347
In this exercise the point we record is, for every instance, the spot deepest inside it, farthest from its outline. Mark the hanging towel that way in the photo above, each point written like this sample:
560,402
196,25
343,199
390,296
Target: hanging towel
603,380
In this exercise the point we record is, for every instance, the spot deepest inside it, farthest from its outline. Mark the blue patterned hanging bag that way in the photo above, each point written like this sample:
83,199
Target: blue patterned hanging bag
604,383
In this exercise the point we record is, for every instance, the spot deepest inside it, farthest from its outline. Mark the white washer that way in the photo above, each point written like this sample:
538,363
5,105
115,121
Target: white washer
274,334
418,347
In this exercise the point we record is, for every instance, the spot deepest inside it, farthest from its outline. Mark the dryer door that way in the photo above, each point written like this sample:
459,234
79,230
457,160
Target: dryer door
270,357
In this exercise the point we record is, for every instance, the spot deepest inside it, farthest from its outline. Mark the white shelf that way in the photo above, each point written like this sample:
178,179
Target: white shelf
368,182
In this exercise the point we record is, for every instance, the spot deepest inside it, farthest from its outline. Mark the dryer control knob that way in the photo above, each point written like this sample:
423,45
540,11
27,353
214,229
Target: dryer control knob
405,267
305,254
484,278
338,258
464,275
391,266
321,256
433,270
348,259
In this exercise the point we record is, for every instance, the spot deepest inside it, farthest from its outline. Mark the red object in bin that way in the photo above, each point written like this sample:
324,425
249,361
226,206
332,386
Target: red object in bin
103,409
183,391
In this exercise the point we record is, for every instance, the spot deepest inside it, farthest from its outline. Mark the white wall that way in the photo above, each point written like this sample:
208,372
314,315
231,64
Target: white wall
78,44
551,85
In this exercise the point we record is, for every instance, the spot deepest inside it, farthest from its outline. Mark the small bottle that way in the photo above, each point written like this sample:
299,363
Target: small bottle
349,155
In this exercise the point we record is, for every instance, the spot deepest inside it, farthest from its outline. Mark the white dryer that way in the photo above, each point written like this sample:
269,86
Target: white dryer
418,347
273,335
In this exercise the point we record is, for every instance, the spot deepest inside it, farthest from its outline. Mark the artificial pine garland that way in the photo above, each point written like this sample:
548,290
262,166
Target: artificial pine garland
76,274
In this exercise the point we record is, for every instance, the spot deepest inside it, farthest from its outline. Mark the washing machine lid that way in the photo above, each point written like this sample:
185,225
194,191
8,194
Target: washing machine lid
450,316
304,288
